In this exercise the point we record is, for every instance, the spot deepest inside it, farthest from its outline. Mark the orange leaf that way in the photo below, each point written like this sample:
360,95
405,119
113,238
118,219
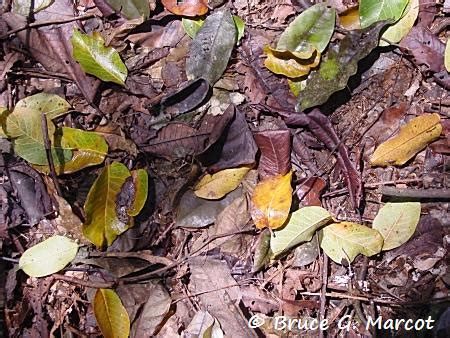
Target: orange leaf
186,7
272,200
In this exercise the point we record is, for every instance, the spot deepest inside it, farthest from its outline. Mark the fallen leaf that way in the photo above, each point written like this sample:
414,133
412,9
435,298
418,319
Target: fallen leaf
271,201
401,28
111,316
192,26
447,55
48,257
275,147
140,180
309,191
350,19
300,227
203,325
412,138
371,11
97,59
240,27
397,222
211,48
344,241
215,186
290,64
261,251
131,9
25,7
187,7
306,253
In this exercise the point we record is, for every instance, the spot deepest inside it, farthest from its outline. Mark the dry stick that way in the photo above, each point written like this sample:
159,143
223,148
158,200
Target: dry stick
45,23
323,291
82,282
48,151
416,193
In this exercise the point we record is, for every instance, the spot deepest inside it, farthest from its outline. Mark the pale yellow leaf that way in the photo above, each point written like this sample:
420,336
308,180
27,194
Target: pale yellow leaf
401,28
447,56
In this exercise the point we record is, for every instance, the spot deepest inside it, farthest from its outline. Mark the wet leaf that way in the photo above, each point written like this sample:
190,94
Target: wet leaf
48,257
215,186
96,59
112,318
371,11
192,26
290,64
26,7
340,63
140,179
397,31
211,48
344,241
102,223
131,9
412,138
272,199
275,147
300,227
240,27
312,29
397,222
186,7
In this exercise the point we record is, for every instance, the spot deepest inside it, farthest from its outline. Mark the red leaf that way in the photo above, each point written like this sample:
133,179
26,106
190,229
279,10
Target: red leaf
275,146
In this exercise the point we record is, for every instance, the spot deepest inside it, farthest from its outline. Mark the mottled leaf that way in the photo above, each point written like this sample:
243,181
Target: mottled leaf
397,222
412,138
275,147
271,200
140,179
344,241
300,227
186,7
371,11
131,9
192,26
211,48
97,59
27,7
397,31
112,318
48,257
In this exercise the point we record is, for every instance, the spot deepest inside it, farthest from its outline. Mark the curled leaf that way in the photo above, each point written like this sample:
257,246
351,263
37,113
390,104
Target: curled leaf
411,139
290,64
111,315
371,11
397,31
140,180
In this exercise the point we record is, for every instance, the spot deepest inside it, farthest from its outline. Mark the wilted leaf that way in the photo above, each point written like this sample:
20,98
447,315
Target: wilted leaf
344,241
413,137
102,222
215,186
300,227
290,64
350,19
96,59
397,222
371,11
240,27
447,55
211,48
203,325
186,7
272,199
313,27
140,180
27,7
112,318
192,26
48,257
340,63
397,31
275,147
131,9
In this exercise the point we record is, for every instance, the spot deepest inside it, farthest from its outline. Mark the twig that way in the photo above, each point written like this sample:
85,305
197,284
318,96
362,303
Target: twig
45,23
323,291
48,151
86,283
439,194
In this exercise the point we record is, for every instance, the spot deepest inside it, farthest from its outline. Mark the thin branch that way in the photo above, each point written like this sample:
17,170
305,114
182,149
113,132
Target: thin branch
439,194
323,292
48,151
82,282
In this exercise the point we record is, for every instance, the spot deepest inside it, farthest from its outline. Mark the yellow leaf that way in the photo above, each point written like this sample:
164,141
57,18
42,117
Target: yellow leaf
350,19
447,55
402,27
411,139
272,200
291,64
213,187
111,315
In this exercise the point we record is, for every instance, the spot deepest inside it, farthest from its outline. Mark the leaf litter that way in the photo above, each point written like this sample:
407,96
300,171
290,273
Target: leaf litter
159,177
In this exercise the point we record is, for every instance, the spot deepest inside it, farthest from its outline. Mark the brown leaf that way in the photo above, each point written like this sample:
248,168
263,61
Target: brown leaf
187,7
310,191
275,146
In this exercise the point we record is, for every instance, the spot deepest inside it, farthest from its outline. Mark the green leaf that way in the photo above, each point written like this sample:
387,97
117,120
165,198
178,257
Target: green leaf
240,27
211,48
140,178
312,28
48,257
192,26
25,7
344,241
402,27
131,9
300,228
96,59
397,222
447,56
89,148
341,63
102,222
371,11
111,315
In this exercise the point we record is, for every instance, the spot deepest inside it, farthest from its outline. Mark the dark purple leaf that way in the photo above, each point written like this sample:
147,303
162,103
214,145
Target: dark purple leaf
275,147
427,12
310,190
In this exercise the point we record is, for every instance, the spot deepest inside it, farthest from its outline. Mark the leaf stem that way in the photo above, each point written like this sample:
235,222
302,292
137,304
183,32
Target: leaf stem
48,151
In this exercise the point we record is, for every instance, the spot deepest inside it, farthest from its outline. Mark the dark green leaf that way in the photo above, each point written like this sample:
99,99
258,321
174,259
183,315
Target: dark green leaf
131,9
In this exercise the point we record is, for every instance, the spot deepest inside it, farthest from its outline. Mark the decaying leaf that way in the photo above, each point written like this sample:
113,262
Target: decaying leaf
371,11
192,26
48,257
397,222
275,147
112,318
300,227
309,191
131,9
350,19
412,138
140,180
186,8
344,241
271,200
291,64
397,31
97,59
203,325
211,48
26,7
215,186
